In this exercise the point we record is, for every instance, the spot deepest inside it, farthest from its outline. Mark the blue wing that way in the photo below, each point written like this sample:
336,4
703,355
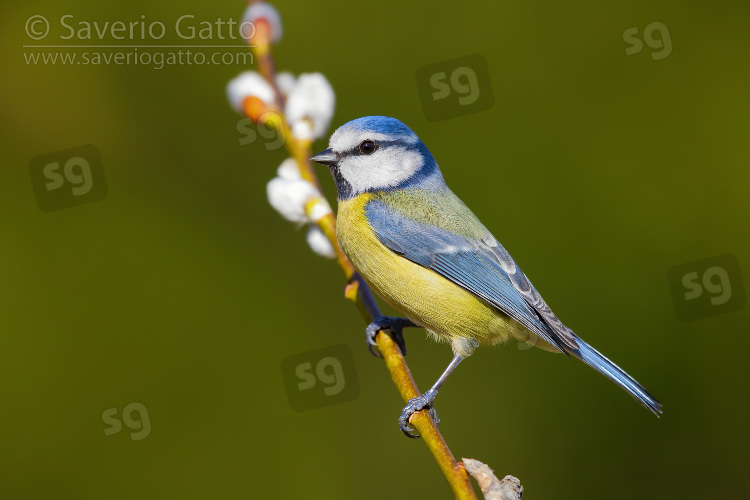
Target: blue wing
484,268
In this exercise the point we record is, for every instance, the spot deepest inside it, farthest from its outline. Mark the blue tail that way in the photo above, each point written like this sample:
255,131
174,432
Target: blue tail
600,363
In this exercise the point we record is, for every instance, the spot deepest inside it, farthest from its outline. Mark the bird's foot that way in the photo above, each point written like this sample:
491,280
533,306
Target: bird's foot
394,325
414,405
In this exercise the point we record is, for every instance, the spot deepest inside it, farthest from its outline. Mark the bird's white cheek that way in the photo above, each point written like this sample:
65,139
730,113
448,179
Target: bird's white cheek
384,169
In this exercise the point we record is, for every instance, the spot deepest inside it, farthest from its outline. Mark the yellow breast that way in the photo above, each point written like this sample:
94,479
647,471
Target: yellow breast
447,311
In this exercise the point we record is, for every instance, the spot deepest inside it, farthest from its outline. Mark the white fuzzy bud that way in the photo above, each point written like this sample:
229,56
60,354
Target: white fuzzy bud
320,243
303,129
289,170
263,10
289,197
246,84
286,82
320,209
288,193
310,106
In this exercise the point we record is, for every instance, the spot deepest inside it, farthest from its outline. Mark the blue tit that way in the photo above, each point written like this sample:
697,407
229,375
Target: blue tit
422,250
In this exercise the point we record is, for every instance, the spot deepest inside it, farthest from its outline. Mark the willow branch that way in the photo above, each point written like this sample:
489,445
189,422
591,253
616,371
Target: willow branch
356,289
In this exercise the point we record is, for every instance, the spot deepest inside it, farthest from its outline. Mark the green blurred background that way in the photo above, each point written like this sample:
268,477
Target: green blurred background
183,290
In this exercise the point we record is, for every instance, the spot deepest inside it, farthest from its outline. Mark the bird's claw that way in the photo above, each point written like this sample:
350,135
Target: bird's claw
394,326
414,405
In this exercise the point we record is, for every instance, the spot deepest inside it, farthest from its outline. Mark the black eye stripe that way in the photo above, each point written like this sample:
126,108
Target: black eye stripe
355,150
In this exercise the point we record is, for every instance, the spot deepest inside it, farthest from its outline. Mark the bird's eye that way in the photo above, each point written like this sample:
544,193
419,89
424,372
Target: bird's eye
368,147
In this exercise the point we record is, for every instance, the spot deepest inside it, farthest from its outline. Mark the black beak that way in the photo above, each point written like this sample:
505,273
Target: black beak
326,157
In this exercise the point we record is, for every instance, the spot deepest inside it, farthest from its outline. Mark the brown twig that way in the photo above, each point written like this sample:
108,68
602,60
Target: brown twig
509,488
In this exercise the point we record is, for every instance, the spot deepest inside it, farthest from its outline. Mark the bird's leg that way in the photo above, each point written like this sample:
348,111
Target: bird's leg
425,400
394,325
